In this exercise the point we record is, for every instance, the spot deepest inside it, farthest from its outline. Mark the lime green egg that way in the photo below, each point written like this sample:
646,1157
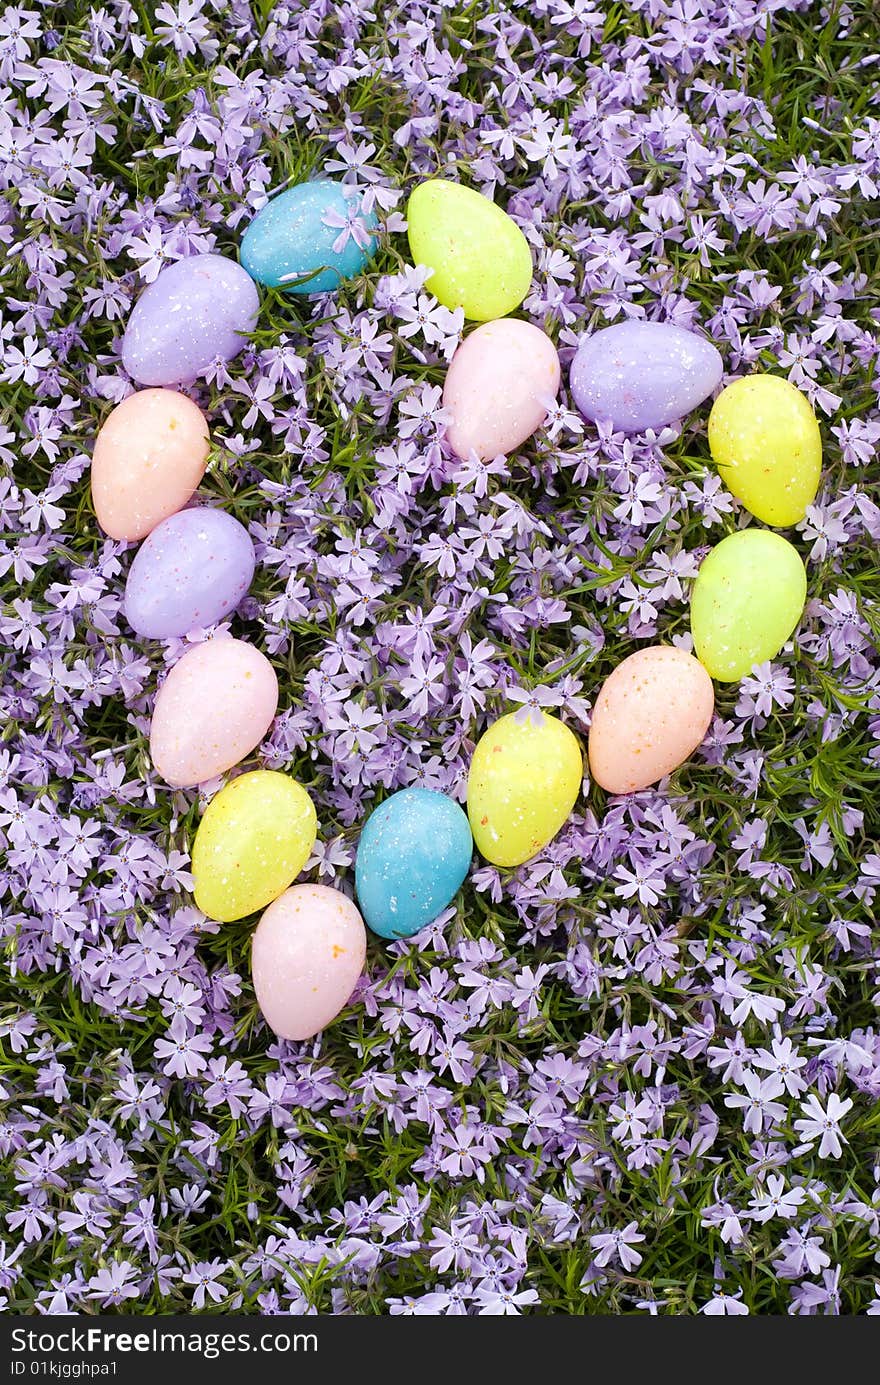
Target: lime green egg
748,597
253,841
480,258
525,775
765,441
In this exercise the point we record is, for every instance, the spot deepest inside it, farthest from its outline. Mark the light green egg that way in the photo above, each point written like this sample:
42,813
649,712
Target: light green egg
480,258
253,841
765,441
748,597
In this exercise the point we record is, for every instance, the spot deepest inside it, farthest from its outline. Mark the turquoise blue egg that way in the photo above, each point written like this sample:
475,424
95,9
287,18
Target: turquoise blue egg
297,244
414,853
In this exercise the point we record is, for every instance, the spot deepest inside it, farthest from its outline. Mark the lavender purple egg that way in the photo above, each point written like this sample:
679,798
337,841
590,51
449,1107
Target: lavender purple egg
190,572
639,375
197,310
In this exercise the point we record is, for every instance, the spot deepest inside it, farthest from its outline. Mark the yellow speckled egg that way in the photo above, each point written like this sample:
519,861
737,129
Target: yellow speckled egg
765,441
748,597
252,842
480,258
650,716
150,455
524,778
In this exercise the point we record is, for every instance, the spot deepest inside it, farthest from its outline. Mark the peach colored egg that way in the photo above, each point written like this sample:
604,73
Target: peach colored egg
149,457
215,706
651,714
307,954
498,386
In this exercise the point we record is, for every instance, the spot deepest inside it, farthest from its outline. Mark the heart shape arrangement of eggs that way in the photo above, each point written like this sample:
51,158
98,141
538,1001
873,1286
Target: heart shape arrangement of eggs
196,563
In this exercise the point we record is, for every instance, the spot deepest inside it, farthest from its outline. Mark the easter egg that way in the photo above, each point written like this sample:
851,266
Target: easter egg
765,441
748,597
196,311
414,853
307,953
190,572
149,456
310,238
480,258
524,778
215,706
638,375
652,712
499,386
253,841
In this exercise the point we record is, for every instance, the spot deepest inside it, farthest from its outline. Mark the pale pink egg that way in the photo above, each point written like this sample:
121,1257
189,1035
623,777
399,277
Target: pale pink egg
651,714
499,386
307,954
215,706
149,457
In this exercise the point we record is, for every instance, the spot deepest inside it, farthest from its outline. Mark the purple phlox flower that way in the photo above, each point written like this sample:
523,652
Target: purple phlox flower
188,1199
800,1253
766,687
808,1298
141,1229
728,1221
758,1102
632,1118
527,989
783,1059
466,1157
453,1248
818,842
433,1304
275,1102
776,1201
822,1123
642,879
422,411
114,1284
26,362
495,1299
351,226
182,1054
33,1217
186,29
618,1245
8,1273
739,1002
534,701
206,1279
420,314
474,473
724,1304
